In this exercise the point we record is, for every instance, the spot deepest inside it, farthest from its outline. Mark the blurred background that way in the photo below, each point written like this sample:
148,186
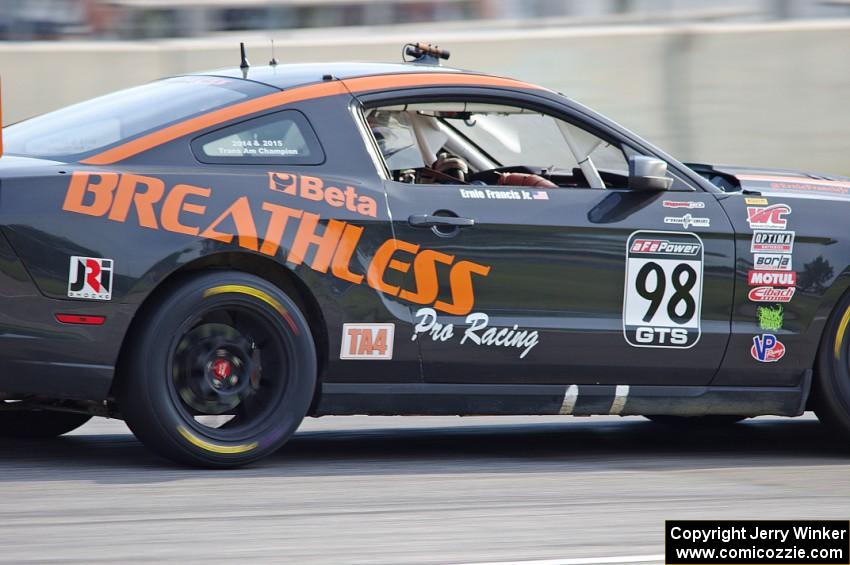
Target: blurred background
761,82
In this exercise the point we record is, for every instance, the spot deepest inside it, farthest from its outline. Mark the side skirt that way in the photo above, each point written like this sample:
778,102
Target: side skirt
435,399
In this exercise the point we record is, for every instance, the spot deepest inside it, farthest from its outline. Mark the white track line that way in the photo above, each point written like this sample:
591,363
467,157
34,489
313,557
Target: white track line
582,561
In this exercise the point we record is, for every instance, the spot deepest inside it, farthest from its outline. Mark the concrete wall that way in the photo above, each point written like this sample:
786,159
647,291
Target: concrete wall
766,94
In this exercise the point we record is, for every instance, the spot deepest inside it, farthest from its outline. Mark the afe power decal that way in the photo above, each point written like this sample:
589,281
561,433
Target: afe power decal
767,349
367,341
772,242
90,277
687,205
687,221
771,217
663,289
477,332
182,209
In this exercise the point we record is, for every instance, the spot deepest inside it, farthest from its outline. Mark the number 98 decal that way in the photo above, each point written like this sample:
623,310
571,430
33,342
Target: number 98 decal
663,296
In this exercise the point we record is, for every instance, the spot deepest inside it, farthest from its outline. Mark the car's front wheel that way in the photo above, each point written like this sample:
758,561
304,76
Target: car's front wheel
222,372
34,424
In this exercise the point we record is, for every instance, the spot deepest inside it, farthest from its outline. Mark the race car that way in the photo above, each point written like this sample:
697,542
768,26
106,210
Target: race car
212,257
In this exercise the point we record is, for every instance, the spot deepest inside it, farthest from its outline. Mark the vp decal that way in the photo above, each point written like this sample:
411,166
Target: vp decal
767,349
89,277
663,292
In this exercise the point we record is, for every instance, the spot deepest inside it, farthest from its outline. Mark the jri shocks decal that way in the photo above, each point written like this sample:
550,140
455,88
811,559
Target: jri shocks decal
367,341
663,293
772,242
90,277
768,217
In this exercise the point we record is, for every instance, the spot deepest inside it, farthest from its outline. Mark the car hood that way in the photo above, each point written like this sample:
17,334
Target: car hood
776,181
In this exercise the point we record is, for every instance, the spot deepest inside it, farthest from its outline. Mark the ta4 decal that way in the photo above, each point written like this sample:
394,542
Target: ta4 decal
768,217
478,332
772,242
767,349
772,262
367,341
90,277
687,221
686,204
663,290
772,278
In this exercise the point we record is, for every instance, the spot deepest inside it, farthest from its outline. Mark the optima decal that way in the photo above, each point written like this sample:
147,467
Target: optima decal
663,289
478,332
772,242
335,244
768,217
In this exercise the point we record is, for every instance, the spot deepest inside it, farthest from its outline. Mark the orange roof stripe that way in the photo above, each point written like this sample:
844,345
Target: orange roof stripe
297,94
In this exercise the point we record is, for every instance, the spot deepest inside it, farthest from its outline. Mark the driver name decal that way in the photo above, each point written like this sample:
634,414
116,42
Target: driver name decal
663,289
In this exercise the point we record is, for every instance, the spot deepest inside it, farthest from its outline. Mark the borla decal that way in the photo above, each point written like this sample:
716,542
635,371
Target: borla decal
772,262
663,289
90,277
687,221
477,332
767,349
768,217
373,342
772,242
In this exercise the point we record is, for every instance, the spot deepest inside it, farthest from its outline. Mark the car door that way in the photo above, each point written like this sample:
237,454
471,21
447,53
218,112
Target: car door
572,285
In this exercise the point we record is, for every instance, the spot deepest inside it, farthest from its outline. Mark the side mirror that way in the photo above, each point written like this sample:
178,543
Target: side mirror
648,173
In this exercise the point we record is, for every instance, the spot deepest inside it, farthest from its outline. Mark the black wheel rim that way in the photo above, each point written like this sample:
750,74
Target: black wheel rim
227,370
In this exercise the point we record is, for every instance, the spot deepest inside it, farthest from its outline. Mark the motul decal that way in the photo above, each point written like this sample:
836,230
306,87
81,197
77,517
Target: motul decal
771,217
770,294
367,341
772,278
90,277
767,349
314,188
272,228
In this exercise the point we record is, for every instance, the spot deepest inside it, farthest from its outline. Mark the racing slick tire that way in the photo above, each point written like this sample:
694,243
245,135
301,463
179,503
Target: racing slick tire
696,421
831,389
39,424
221,372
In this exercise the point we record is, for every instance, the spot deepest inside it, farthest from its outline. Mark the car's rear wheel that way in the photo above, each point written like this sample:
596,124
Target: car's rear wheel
696,421
32,424
222,372
831,393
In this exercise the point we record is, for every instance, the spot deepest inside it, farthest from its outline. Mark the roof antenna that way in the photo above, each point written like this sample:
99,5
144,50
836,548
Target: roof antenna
273,62
244,64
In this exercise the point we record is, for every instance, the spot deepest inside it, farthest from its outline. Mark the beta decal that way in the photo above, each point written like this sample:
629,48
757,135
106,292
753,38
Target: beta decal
313,188
768,217
772,242
770,294
772,278
772,262
687,221
291,232
767,349
367,341
478,331
90,277
771,318
688,205
663,289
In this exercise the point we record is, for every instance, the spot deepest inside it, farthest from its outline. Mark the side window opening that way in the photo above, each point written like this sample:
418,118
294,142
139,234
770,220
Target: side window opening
284,137
492,144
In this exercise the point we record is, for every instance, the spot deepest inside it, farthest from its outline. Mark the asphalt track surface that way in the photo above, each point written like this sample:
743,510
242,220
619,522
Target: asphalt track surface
415,491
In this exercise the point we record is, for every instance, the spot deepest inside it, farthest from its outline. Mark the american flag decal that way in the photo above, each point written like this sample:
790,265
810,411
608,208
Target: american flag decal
540,195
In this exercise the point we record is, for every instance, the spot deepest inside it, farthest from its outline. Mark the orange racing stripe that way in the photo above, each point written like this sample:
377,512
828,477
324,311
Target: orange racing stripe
297,94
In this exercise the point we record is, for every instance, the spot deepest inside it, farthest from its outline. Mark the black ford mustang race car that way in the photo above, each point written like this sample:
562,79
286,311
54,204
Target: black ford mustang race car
212,257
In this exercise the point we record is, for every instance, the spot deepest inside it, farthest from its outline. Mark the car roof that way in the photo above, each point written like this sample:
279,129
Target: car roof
286,76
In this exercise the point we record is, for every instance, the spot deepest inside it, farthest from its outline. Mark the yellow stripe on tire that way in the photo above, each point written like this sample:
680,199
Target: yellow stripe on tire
215,447
256,293
839,337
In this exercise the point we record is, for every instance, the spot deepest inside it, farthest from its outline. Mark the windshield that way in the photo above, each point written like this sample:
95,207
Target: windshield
109,119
